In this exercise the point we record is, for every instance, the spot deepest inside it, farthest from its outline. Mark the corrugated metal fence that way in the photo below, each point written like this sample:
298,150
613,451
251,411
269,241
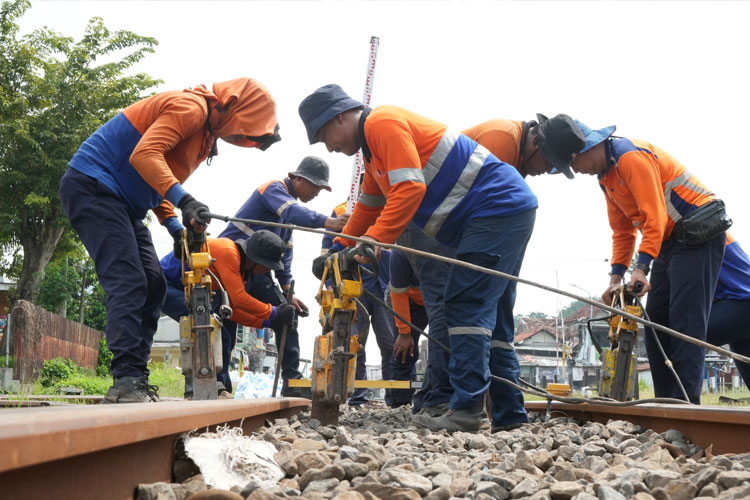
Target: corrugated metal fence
51,336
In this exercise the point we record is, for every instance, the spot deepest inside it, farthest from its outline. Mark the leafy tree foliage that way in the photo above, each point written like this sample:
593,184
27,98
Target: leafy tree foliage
54,92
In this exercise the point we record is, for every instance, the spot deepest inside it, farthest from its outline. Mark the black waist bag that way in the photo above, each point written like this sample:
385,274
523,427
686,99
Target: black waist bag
702,224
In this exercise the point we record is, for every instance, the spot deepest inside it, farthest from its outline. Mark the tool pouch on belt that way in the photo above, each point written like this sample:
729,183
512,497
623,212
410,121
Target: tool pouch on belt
702,224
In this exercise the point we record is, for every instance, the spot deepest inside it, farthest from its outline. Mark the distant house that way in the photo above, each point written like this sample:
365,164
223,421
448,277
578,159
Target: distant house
540,343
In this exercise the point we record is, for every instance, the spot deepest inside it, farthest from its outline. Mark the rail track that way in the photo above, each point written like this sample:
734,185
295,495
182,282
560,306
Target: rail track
725,429
83,451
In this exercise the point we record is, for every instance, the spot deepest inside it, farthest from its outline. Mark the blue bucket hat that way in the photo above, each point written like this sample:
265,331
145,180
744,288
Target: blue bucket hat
321,106
594,137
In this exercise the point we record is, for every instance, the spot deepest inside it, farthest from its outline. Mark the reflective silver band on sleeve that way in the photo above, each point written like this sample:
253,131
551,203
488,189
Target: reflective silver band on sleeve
405,174
284,206
372,200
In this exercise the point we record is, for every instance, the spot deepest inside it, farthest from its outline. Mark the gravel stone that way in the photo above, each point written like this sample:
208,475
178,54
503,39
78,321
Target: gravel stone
565,489
608,493
681,489
659,478
311,460
525,488
442,493
154,491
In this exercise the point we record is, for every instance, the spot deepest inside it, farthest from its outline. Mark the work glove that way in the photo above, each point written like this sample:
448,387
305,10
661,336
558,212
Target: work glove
286,314
192,209
177,246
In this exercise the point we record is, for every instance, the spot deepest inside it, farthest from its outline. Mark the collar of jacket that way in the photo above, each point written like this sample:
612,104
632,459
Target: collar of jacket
361,129
611,162
289,187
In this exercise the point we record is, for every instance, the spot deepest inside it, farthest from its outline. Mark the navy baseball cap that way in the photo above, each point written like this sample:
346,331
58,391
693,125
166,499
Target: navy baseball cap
321,106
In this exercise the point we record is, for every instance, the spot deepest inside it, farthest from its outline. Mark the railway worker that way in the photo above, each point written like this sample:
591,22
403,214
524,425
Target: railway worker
370,312
727,322
457,192
277,201
434,397
236,263
137,162
648,190
407,301
517,143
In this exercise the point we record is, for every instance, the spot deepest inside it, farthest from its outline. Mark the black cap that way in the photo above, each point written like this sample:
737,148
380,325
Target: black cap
559,139
265,248
313,169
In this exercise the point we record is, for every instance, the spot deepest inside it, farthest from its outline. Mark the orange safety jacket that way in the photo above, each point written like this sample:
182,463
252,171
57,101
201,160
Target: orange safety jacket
503,138
647,190
417,170
148,150
246,309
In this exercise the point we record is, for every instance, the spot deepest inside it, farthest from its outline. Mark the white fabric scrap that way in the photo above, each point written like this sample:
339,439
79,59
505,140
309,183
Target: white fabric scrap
227,458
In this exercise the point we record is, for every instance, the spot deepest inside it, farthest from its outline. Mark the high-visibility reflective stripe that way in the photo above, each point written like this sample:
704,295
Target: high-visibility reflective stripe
682,180
405,174
243,227
400,289
502,345
432,167
469,330
286,205
372,200
457,193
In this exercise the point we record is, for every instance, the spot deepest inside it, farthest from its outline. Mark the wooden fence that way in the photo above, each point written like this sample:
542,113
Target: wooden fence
40,335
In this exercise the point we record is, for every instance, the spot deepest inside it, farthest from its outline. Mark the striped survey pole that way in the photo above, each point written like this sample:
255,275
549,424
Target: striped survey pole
358,166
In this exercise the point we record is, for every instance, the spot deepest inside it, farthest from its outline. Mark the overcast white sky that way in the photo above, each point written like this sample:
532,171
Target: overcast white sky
673,73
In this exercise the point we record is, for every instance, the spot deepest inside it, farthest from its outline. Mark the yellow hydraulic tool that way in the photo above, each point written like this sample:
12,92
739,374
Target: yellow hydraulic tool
200,330
619,375
335,351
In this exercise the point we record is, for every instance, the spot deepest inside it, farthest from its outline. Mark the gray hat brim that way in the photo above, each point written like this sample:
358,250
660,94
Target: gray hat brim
320,184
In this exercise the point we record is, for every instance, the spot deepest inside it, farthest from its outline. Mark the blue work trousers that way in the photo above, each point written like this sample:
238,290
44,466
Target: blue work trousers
432,275
683,281
479,312
127,266
407,370
175,308
264,288
728,324
384,328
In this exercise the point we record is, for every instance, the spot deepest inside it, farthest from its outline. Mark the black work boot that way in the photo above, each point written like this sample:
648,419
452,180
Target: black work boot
131,390
469,419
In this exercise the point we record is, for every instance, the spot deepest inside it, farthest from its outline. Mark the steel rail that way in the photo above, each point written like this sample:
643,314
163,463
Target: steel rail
726,429
106,451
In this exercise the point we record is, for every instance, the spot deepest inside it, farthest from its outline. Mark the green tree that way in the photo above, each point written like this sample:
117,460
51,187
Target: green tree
53,94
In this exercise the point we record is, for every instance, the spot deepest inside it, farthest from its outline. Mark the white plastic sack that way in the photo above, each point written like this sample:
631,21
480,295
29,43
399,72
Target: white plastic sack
227,458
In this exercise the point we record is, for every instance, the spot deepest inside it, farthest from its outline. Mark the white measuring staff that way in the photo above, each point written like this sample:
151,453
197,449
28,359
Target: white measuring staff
358,163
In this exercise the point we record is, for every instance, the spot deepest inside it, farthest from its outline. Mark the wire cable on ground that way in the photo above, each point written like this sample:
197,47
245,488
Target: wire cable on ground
655,326
532,389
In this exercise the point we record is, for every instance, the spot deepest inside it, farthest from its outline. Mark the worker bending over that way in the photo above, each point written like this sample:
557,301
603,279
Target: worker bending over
137,162
234,264
648,190
459,193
